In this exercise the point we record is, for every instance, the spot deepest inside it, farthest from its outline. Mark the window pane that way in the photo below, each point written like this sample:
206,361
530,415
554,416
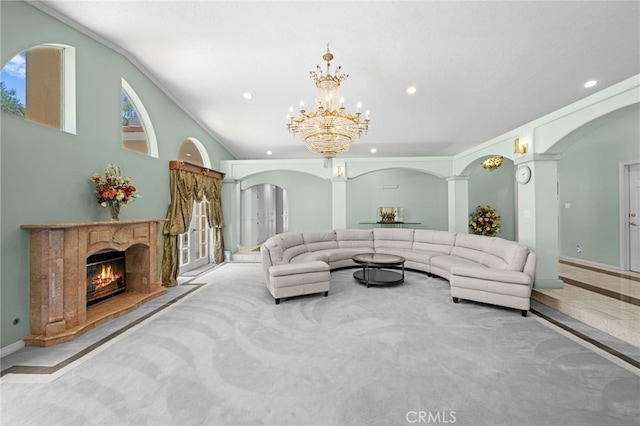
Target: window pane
13,85
36,94
38,84
44,86
133,134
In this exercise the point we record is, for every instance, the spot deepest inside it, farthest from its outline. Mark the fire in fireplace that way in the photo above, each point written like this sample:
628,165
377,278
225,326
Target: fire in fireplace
105,276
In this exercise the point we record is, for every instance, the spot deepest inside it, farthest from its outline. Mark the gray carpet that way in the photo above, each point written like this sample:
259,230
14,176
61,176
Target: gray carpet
227,355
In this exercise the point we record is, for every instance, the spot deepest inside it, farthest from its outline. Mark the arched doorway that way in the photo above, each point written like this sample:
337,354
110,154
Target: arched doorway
265,213
195,247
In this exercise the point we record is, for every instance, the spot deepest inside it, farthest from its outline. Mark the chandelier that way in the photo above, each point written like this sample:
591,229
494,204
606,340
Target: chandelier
329,130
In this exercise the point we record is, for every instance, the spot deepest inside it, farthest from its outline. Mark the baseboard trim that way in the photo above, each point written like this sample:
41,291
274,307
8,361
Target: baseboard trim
549,283
11,348
566,259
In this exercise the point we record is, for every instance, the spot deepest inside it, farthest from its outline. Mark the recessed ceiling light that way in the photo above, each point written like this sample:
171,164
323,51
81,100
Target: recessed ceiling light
269,152
188,154
373,150
247,95
411,90
590,83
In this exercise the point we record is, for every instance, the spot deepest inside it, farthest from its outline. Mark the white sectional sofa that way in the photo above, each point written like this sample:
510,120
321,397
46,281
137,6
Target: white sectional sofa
483,269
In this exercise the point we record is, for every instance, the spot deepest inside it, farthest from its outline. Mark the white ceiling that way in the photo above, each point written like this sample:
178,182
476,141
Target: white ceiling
481,68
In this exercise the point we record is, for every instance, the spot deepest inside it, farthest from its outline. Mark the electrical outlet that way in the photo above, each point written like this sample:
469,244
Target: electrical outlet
579,248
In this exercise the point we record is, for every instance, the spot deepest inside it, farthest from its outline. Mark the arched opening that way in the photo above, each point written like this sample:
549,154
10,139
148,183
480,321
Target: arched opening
196,245
38,84
137,131
495,188
265,212
595,183
421,196
192,151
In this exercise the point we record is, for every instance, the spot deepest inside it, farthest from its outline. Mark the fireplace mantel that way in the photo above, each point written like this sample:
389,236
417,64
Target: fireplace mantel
58,261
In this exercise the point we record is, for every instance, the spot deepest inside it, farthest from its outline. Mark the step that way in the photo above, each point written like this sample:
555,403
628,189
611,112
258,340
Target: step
615,317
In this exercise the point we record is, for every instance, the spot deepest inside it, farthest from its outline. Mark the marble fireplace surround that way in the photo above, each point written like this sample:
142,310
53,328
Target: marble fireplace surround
58,274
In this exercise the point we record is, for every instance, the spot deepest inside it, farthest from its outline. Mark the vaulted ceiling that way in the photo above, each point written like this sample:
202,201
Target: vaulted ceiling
480,68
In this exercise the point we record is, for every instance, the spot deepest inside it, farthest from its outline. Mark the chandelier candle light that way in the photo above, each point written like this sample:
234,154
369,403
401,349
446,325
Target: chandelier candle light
329,130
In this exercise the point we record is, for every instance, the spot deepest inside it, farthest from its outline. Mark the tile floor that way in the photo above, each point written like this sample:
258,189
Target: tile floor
606,299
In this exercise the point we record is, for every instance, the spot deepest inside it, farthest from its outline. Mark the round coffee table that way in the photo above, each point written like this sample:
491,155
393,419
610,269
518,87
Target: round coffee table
372,272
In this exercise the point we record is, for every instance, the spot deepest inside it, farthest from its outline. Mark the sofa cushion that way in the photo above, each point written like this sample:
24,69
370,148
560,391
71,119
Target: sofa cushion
319,240
504,254
448,262
348,238
491,274
292,244
275,250
417,256
321,255
346,253
434,241
290,239
294,251
298,268
471,247
392,238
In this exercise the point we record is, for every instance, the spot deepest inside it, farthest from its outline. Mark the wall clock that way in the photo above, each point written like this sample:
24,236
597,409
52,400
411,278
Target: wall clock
523,174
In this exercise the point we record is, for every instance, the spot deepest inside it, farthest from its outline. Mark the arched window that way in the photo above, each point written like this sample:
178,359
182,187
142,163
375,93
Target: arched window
39,85
137,131
192,151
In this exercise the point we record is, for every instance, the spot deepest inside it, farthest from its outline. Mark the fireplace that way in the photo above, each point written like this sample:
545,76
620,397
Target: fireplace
69,292
105,276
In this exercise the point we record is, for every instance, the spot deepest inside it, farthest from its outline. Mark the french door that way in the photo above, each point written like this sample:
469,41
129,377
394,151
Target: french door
195,247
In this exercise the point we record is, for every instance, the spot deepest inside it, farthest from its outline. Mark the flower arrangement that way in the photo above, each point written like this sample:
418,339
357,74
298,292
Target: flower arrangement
485,221
113,190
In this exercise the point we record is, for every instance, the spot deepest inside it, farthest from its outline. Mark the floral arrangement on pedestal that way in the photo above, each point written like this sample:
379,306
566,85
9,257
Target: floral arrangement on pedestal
113,190
485,221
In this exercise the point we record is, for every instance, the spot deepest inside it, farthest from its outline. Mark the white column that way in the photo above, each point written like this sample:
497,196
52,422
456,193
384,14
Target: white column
339,202
231,207
538,217
458,197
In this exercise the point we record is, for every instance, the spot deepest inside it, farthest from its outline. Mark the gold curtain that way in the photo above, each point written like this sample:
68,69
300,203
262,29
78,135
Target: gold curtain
186,187
216,219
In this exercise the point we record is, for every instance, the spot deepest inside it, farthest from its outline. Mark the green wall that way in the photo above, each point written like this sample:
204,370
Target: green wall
588,175
309,197
422,196
496,189
44,173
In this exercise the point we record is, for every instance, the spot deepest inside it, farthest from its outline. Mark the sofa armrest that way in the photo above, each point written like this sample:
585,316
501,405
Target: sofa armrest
297,268
500,275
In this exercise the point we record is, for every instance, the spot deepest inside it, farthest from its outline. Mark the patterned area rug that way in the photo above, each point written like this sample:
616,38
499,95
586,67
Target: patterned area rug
227,355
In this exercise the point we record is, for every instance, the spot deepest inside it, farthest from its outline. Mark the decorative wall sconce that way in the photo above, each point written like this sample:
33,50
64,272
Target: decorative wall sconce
340,171
492,163
519,147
